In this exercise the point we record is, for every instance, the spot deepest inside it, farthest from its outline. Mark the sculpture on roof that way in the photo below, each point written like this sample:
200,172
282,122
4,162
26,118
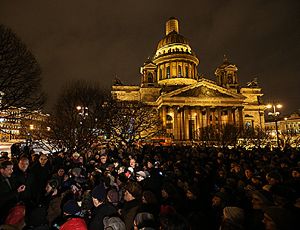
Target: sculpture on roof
253,83
117,81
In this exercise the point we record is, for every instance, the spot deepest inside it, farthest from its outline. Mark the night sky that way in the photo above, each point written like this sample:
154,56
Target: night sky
97,40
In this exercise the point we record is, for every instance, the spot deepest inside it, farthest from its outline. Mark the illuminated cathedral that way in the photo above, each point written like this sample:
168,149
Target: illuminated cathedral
187,101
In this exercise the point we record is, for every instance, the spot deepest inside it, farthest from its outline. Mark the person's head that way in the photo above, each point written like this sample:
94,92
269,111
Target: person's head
113,196
141,175
132,163
277,218
248,173
144,220
296,172
219,199
61,172
113,223
234,214
173,221
76,172
23,163
43,159
150,164
149,197
75,155
192,192
71,207
103,158
98,195
132,191
261,199
51,186
6,168
273,178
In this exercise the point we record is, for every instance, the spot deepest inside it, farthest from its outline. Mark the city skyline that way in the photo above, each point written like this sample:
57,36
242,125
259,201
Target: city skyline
98,41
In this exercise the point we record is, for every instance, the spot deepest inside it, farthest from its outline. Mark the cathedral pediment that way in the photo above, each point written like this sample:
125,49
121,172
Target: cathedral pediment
204,89
201,91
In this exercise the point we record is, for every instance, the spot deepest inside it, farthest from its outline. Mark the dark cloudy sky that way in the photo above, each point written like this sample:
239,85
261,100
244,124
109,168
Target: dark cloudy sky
98,39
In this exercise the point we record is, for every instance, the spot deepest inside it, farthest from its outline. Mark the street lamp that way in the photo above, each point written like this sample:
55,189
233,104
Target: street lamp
275,114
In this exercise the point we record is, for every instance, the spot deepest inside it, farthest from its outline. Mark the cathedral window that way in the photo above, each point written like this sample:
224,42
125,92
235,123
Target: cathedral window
168,72
150,78
160,74
186,71
179,71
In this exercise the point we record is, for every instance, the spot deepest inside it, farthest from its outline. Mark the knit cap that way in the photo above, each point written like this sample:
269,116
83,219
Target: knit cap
71,207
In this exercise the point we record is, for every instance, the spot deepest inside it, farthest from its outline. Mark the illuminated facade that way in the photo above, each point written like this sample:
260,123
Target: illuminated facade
186,101
16,122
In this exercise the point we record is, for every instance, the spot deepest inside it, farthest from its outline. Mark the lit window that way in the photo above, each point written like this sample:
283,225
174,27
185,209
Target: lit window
168,72
179,71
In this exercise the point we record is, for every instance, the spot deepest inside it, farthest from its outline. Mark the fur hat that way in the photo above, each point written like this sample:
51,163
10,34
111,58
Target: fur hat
71,207
113,223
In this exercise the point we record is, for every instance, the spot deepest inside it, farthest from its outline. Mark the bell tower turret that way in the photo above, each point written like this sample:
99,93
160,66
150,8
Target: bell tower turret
227,75
148,71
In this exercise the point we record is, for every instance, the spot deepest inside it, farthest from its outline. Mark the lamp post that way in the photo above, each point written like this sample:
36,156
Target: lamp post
275,115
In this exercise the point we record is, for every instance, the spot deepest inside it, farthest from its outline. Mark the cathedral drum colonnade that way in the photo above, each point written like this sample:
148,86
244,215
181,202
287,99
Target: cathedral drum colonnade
187,101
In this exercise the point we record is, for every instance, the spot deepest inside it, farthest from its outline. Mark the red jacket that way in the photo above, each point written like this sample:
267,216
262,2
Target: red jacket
74,224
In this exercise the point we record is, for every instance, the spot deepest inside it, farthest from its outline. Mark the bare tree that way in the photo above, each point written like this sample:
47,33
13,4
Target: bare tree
131,122
20,75
79,116
222,136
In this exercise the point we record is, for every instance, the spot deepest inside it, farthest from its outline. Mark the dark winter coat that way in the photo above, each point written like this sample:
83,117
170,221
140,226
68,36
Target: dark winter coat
98,215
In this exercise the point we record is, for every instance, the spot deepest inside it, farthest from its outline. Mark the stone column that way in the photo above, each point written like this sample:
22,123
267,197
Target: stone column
219,117
175,123
182,124
164,116
241,122
229,116
186,123
214,117
207,116
234,117
198,121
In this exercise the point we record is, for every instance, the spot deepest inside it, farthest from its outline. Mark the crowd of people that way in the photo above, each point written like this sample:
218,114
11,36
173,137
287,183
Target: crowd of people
176,187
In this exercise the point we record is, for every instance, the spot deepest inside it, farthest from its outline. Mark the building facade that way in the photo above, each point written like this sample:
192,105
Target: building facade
187,101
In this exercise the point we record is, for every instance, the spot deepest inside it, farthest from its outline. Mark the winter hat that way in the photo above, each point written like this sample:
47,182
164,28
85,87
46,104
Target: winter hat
134,188
113,223
53,183
141,173
76,155
264,195
16,215
99,193
76,171
235,214
224,197
71,207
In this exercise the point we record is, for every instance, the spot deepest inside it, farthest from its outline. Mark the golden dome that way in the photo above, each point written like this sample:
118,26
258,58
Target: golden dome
172,38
